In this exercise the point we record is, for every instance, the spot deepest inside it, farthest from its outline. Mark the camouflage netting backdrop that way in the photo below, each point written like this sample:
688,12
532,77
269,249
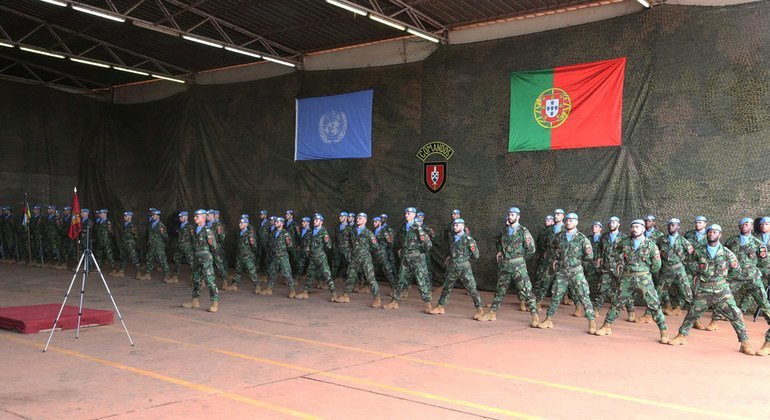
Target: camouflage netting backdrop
696,124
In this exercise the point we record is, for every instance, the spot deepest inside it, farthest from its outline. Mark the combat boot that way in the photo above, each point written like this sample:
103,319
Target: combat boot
489,316
333,297
377,303
321,285
302,295
606,329
170,280
345,298
523,306
547,323
663,336
713,326
214,306
679,340
631,317
479,313
698,325
567,301
677,311
393,304
139,275
268,291
578,311
119,274
668,311
365,289
257,290
233,288
428,308
591,326
535,321
194,303
645,319
765,350
292,294
438,310
746,348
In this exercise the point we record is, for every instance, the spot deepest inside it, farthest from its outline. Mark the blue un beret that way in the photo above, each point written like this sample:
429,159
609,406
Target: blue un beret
244,220
615,219
200,211
263,212
318,216
762,220
571,216
305,219
456,211
420,214
280,219
702,219
65,208
128,213
746,220
156,211
458,221
377,219
637,222
85,210
549,217
674,220
558,211
598,223
102,211
650,217
514,210
384,216
714,227
362,215
410,210
344,214
183,213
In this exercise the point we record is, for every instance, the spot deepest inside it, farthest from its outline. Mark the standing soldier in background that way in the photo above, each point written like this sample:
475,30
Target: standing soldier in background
263,234
674,288
546,281
711,264
183,252
363,243
413,244
103,230
462,249
449,233
245,261
570,249
696,236
302,257
204,244
389,248
9,236
591,270
317,245
639,258
156,246
541,262
67,246
86,230
608,260
341,247
292,228
384,235
52,246
280,243
514,246
36,227
129,236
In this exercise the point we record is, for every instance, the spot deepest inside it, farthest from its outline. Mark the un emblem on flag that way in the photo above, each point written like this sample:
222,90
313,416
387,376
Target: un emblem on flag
332,126
552,107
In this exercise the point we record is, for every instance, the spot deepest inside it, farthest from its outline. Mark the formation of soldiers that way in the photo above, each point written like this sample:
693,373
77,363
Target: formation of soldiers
671,272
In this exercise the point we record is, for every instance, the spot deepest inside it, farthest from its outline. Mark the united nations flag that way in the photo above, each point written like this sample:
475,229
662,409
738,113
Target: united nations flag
334,127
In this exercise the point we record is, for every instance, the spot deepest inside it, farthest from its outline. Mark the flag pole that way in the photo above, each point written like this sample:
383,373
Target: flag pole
29,220
77,242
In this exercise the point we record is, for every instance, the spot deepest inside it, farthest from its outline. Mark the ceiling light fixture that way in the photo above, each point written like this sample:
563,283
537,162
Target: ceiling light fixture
170,79
100,13
3,44
277,61
55,2
347,6
90,63
387,22
244,52
202,41
41,52
644,3
130,70
423,35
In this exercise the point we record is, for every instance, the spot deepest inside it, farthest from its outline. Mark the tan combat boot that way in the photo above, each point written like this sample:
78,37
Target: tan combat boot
121,273
746,348
645,319
547,323
765,350
345,298
489,316
194,303
479,313
257,290
333,297
173,279
268,291
438,310
233,288
523,306
578,311
139,275
713,326
535,321
428,308
698,325
679,340
393,304
377,303
112,273
321,285
591,326
302,295
214,306
567,301
147,276
631,317
663,336
606,329
292,294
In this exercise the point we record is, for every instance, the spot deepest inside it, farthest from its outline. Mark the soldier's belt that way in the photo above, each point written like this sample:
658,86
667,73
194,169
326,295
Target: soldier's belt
412,254
675,266
458,262
514,259
202,252
571,269
636,273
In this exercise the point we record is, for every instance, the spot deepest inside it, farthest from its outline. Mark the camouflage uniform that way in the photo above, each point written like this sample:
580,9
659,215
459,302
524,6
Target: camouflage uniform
414,243
294,230
462,249
52,247
341,250
86,233
204,245
183,252
516,245
245,261
546,273
220,262
264,237
673,276
712,290
764,264
279,244
428,255
103,249
638,263
316,246
384,235
592,273
611,256
747,279
67,246
363,244
302,256
10,245
36,232
570,256
156,247
128,250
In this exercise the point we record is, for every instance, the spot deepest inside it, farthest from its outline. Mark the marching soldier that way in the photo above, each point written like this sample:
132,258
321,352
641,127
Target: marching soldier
304,235
413,243
462,249
363,243
36,227
204,245
220,261
591,270
317,245
263,234
547,276
384,235
183,252
514,246
129,237
245,260
608,260
157,235
674,288
103,251
280,243
293,229
541,262
341,247
389,245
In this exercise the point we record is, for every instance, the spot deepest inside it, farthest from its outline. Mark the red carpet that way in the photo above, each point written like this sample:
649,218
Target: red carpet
31,319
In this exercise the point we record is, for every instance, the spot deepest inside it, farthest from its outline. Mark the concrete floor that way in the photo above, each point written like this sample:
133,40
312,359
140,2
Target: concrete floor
273,357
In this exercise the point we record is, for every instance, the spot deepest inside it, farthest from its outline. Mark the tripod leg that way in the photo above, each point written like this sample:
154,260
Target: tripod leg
115,305
86,267
66,295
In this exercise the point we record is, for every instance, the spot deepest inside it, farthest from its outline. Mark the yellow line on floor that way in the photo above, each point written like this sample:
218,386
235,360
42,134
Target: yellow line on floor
578,389
172,380
346,378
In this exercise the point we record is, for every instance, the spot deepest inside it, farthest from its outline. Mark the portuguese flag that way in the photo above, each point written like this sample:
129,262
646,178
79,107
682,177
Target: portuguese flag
567,107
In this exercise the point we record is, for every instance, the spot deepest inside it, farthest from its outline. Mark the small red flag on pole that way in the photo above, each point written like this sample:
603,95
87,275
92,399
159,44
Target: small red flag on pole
75,225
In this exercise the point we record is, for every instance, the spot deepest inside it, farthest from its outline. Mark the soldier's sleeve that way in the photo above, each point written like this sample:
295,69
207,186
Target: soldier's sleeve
655,254
373,243
529,244
473,248
734,266
762,253
327,241
588,251
498,241
252,240
162,230
427,245
109,227
288,240
212,241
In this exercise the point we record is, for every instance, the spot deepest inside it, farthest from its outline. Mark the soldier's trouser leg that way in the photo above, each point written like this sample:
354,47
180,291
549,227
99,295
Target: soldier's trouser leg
220,263
643,285
546,282
163,261
280,263
109,256
579,287
721,299
521,279
559,288
683,288
353,269
203,270
464,273
152,255
505,273
413,265
319,267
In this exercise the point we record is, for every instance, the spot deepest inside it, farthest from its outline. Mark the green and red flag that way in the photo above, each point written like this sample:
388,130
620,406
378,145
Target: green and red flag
75,222
567,107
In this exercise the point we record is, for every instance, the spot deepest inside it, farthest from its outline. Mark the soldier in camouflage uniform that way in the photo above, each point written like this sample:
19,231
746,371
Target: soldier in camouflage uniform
608,259
462,249
696,236
414,243
712,263
747,279
341,247
279,244
36,233
104,232
514,246
449,232
220,261
302,257
674,287
318,243
384,235
541,244
389,248
67,246
591,270
570,249
157,235
183,252
420,219
204,245
9,236
363,244
129,236
547,274
52,247
293,229
639,257
263,234
764,236
245,260
86,230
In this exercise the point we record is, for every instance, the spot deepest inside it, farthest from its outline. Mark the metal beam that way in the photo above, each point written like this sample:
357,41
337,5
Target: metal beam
31,67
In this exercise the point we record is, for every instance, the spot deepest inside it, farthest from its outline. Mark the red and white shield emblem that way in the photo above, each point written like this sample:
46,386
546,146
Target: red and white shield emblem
553,105
434,175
